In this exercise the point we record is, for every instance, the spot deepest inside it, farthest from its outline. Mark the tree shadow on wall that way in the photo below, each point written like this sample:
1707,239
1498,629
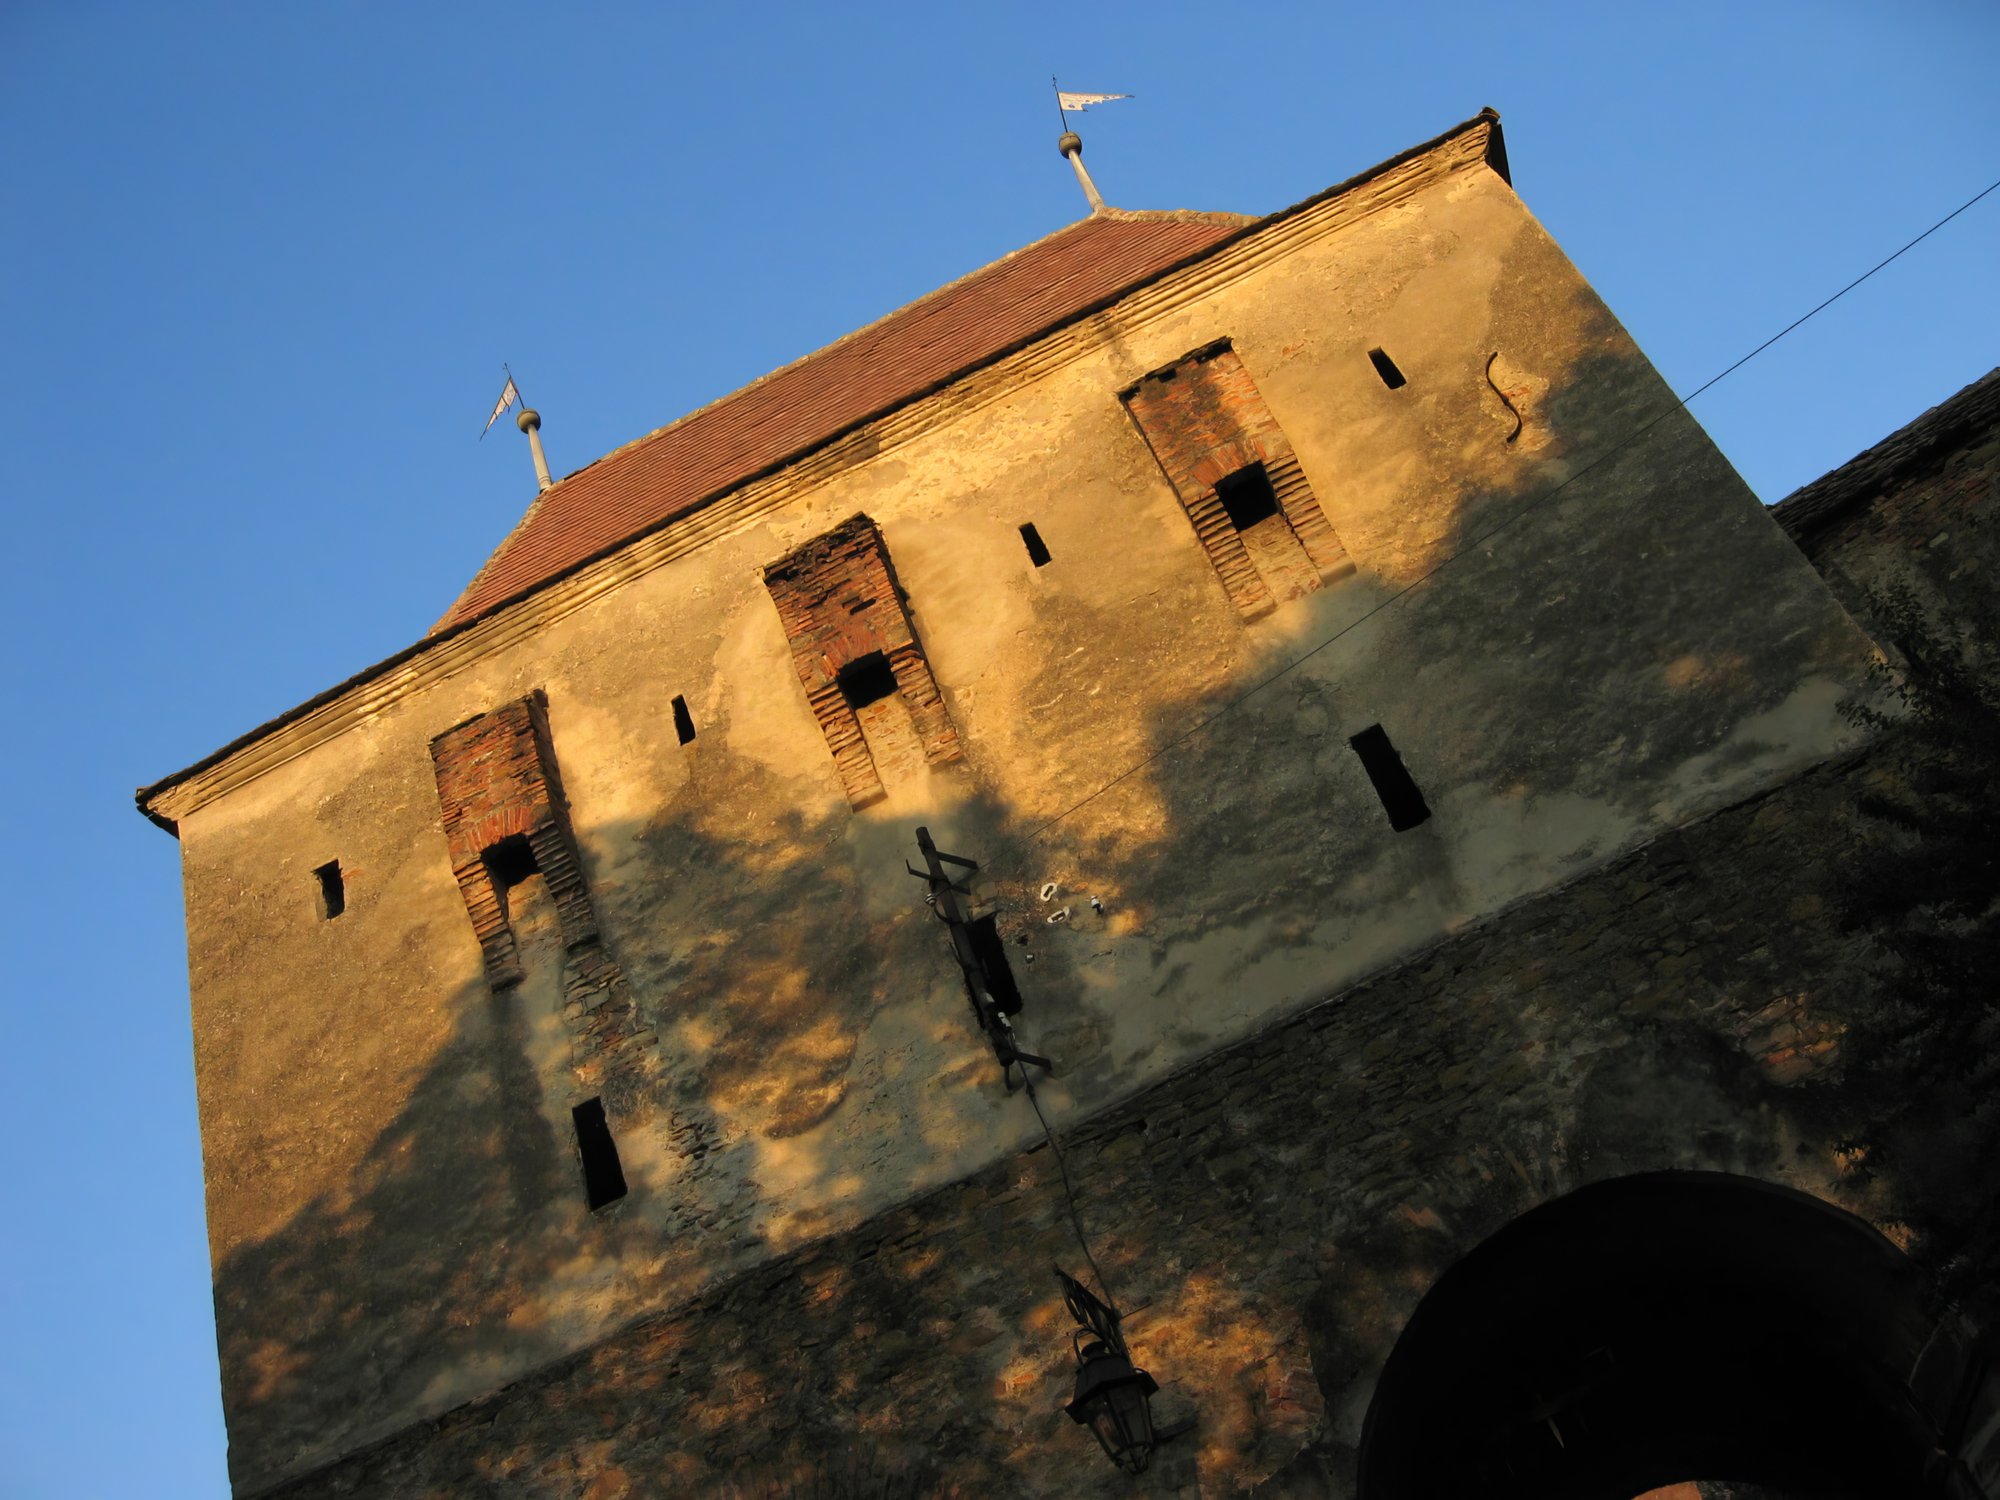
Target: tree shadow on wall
460,1256
461,1259
1918,1097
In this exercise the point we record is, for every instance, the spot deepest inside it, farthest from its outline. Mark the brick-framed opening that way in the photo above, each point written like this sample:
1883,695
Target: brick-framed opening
1236,476
853,643
505,819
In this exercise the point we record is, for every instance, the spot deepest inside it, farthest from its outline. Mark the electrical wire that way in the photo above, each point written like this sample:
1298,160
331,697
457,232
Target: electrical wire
1480,540
1069,1194
1622,446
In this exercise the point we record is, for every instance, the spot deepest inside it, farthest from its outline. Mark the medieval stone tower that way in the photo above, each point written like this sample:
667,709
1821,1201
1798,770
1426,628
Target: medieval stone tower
1397,752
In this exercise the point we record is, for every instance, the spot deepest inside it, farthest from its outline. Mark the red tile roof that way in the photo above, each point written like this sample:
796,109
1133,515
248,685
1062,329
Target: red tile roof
786,414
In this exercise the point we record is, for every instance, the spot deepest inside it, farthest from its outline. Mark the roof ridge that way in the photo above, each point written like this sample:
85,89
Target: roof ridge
1896,460
493,557
701,454
933,295
936,294
1185,237
1175,216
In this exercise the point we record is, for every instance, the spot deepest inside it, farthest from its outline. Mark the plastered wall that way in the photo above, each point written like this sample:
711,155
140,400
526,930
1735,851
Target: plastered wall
1575,639
1272,1215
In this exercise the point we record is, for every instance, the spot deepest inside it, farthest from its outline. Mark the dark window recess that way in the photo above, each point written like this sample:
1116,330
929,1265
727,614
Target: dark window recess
868,679
1247,496
1386,368
1402,801
603,1178
991,952
511,861
508,863
332,889
683,721
1038,550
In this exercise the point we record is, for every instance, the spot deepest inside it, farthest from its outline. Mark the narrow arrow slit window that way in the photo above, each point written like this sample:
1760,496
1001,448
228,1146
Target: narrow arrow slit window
1401,798
603,1178
332,890
1038,550
1386,368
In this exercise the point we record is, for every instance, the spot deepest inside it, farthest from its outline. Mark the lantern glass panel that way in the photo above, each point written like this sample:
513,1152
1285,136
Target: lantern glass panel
1112,1399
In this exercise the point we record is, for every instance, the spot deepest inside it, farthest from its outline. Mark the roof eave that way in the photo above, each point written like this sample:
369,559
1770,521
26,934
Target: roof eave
1496,160
1495,157
1906,455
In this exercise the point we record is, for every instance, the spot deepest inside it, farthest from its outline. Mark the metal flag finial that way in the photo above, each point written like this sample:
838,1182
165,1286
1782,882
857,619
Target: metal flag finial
509,394
529,421
1071,144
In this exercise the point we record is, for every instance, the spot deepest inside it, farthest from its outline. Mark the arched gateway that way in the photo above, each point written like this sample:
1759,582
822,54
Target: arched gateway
1669,1327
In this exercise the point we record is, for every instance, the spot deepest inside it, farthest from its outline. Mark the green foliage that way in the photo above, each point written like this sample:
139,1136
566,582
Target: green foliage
1922,1052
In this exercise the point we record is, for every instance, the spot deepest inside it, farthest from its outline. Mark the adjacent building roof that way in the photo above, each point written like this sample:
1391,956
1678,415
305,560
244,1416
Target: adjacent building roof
1905,455
775,420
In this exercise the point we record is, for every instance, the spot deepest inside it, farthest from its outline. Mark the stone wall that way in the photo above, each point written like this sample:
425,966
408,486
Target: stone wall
1915,512
1575,624
1271,1214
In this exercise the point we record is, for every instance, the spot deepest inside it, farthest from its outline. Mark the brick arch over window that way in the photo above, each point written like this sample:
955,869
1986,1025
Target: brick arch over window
1673,1327
496,781
1237,478
843,614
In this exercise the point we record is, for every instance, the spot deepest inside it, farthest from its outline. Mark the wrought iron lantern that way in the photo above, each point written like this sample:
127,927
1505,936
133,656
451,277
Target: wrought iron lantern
1113,1399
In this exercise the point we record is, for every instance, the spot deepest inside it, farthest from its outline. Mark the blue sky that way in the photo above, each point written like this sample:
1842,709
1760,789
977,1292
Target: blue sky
262,264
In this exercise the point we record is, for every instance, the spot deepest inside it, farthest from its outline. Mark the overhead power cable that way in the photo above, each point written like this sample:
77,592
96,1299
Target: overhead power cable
1069,1192
1526,508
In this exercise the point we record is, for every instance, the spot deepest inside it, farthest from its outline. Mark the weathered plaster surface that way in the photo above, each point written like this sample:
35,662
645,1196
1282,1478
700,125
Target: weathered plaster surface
1273,1212
1576,639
